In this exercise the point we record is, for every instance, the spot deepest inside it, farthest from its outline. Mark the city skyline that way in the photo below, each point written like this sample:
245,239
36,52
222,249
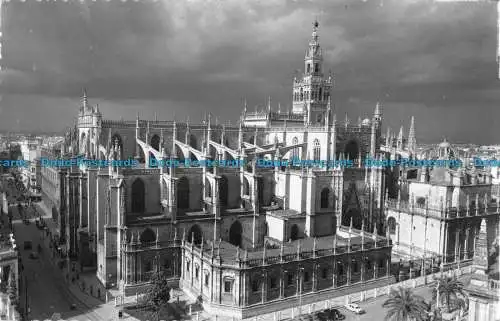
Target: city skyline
434,61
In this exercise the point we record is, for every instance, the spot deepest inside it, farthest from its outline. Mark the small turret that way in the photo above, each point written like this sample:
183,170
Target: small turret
377,114
399,144
412,141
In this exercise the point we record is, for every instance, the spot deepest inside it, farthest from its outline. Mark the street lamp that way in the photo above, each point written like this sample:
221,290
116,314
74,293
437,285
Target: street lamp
26,306
301,271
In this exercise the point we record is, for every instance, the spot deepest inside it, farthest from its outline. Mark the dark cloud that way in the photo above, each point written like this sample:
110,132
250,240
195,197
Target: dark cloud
416,57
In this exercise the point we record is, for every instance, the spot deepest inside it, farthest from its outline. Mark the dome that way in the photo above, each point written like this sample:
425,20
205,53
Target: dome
444,144
442,151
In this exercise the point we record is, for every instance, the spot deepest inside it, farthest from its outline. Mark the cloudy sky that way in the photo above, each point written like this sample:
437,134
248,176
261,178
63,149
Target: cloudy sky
433,61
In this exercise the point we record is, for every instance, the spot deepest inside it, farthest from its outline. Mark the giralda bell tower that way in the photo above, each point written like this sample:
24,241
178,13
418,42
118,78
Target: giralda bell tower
311,94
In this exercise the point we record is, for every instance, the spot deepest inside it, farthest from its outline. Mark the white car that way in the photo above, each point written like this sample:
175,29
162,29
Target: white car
354,308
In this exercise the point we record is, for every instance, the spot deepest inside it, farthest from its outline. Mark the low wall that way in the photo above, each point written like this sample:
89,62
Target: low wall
318,303
271,307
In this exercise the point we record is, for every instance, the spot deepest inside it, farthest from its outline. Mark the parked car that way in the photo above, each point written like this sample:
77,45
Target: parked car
335,314
354,308
33,255
329,315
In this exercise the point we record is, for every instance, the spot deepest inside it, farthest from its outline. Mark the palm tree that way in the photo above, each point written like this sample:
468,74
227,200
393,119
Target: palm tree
450,288
404,305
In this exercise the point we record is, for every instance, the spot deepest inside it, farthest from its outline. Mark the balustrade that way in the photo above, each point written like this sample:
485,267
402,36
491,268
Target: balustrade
447,212
130,247
271,259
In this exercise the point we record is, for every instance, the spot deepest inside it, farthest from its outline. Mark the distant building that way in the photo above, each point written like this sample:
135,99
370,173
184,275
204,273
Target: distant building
9,268
31,152
438,209
483,291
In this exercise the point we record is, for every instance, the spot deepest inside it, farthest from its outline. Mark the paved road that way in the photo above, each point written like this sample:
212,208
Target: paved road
374,309
47,292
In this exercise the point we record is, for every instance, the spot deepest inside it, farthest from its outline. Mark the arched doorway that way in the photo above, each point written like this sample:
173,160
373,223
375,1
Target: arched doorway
357,219
223,191
235,234
148,236
138,196
294,232
195,234
352,150
183,193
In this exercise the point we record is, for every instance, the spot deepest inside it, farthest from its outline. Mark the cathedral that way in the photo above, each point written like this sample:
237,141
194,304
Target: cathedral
244,239
434,213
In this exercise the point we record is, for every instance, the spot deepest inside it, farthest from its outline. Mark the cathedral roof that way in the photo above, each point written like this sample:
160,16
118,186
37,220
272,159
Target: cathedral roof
443,150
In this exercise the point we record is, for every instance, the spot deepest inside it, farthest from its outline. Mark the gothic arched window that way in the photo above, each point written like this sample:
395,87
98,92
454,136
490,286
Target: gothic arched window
316,150
138,196
308,68
183,193
391,223
301,94
325,193
316,67
320,95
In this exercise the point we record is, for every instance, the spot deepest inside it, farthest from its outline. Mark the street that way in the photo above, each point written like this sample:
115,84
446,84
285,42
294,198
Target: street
47,291
374,309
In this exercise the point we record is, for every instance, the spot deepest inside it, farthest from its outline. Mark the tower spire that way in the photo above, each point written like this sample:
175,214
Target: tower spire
313,106
84,99
399,143
412,141
315,30
388,137
377,111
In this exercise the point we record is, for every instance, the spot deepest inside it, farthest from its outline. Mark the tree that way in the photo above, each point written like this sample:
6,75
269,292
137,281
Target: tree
451,289
404,305
158,295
